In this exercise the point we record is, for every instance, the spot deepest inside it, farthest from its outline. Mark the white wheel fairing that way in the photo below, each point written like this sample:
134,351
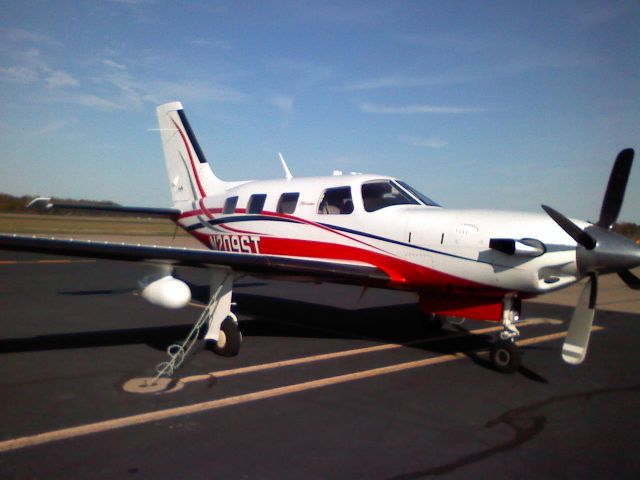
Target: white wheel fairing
229,339
222,340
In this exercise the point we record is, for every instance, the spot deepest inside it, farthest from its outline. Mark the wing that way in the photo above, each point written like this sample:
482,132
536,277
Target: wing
264,265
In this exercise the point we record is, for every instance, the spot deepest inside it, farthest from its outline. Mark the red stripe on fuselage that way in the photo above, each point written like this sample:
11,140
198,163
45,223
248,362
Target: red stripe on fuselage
280,215
236,230
323,227
193,213
404,275
467,306
204,209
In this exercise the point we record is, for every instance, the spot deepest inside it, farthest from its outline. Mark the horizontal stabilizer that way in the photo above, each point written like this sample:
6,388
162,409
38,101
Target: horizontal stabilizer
144,211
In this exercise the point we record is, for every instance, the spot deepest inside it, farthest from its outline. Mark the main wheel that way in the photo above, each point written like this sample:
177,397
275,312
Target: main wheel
432,322
229,340
505,356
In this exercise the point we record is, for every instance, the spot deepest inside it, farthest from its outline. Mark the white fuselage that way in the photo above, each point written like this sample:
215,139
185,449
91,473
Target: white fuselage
421,247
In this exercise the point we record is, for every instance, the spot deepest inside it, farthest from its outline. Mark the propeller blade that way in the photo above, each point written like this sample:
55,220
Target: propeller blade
574,349
630,279
614,194
574,231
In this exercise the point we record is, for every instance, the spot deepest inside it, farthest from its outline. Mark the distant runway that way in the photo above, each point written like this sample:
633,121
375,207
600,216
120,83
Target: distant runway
330,382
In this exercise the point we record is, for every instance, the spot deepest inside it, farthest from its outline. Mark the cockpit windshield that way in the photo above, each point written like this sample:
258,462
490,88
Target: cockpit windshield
423,198
378,194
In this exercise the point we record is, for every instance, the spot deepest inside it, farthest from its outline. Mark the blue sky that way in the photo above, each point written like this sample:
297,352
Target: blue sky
479,104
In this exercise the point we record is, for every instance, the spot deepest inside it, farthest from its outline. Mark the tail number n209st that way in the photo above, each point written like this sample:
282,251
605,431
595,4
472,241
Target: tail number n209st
236,243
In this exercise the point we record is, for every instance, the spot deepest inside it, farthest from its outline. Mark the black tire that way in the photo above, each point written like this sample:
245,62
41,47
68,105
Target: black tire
505,356
228,344
432,322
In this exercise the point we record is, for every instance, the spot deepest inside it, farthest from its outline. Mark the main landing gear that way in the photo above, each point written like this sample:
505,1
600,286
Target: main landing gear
229,338
223,334
505,355
432,322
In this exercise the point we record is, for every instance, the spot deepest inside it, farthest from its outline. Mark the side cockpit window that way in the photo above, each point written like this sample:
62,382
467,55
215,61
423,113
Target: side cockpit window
230,205
256,203
379,194
336,201
288,202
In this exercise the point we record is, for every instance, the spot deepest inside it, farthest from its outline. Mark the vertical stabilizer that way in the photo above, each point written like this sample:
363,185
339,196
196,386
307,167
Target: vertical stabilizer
190,176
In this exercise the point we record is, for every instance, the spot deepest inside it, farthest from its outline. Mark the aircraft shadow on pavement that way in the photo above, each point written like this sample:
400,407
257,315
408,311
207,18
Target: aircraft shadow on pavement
111,291
390,324
277,317
159,337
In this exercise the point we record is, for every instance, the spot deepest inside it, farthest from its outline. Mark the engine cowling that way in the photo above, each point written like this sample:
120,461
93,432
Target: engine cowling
167,292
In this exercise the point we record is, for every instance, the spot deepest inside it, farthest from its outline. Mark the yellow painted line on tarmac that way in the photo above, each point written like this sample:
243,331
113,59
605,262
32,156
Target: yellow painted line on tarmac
146,386
116,423
347,353
551,336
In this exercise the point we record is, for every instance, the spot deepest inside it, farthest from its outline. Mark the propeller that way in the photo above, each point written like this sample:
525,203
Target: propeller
630,279
575,345
600,250
574,231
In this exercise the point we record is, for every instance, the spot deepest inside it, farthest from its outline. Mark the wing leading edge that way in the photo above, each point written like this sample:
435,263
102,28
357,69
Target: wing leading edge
264,265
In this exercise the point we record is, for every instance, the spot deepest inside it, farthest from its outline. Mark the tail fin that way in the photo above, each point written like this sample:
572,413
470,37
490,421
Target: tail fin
190,176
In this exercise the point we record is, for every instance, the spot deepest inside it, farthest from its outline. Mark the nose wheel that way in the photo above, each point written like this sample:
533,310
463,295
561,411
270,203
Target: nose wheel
505,356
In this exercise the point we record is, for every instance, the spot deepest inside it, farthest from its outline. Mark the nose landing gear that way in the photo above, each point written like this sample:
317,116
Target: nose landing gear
504,354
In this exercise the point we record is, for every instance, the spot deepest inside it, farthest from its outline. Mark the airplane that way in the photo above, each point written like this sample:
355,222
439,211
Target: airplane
367,230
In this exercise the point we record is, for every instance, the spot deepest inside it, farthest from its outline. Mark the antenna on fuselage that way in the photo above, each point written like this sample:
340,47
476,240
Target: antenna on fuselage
287,172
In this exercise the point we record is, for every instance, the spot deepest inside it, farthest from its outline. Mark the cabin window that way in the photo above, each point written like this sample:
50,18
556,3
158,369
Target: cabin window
379,194
230,205
288,202
256,203
336,201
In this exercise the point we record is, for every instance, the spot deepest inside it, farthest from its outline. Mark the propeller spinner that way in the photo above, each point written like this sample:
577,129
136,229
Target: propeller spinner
600,250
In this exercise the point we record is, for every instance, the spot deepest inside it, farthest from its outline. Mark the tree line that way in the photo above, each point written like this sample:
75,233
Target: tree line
13,204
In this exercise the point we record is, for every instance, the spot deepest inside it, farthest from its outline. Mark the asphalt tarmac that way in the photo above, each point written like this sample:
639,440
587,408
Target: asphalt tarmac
330,382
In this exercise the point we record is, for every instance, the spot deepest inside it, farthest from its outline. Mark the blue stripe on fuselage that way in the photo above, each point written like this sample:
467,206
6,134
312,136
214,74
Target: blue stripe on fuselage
254,218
